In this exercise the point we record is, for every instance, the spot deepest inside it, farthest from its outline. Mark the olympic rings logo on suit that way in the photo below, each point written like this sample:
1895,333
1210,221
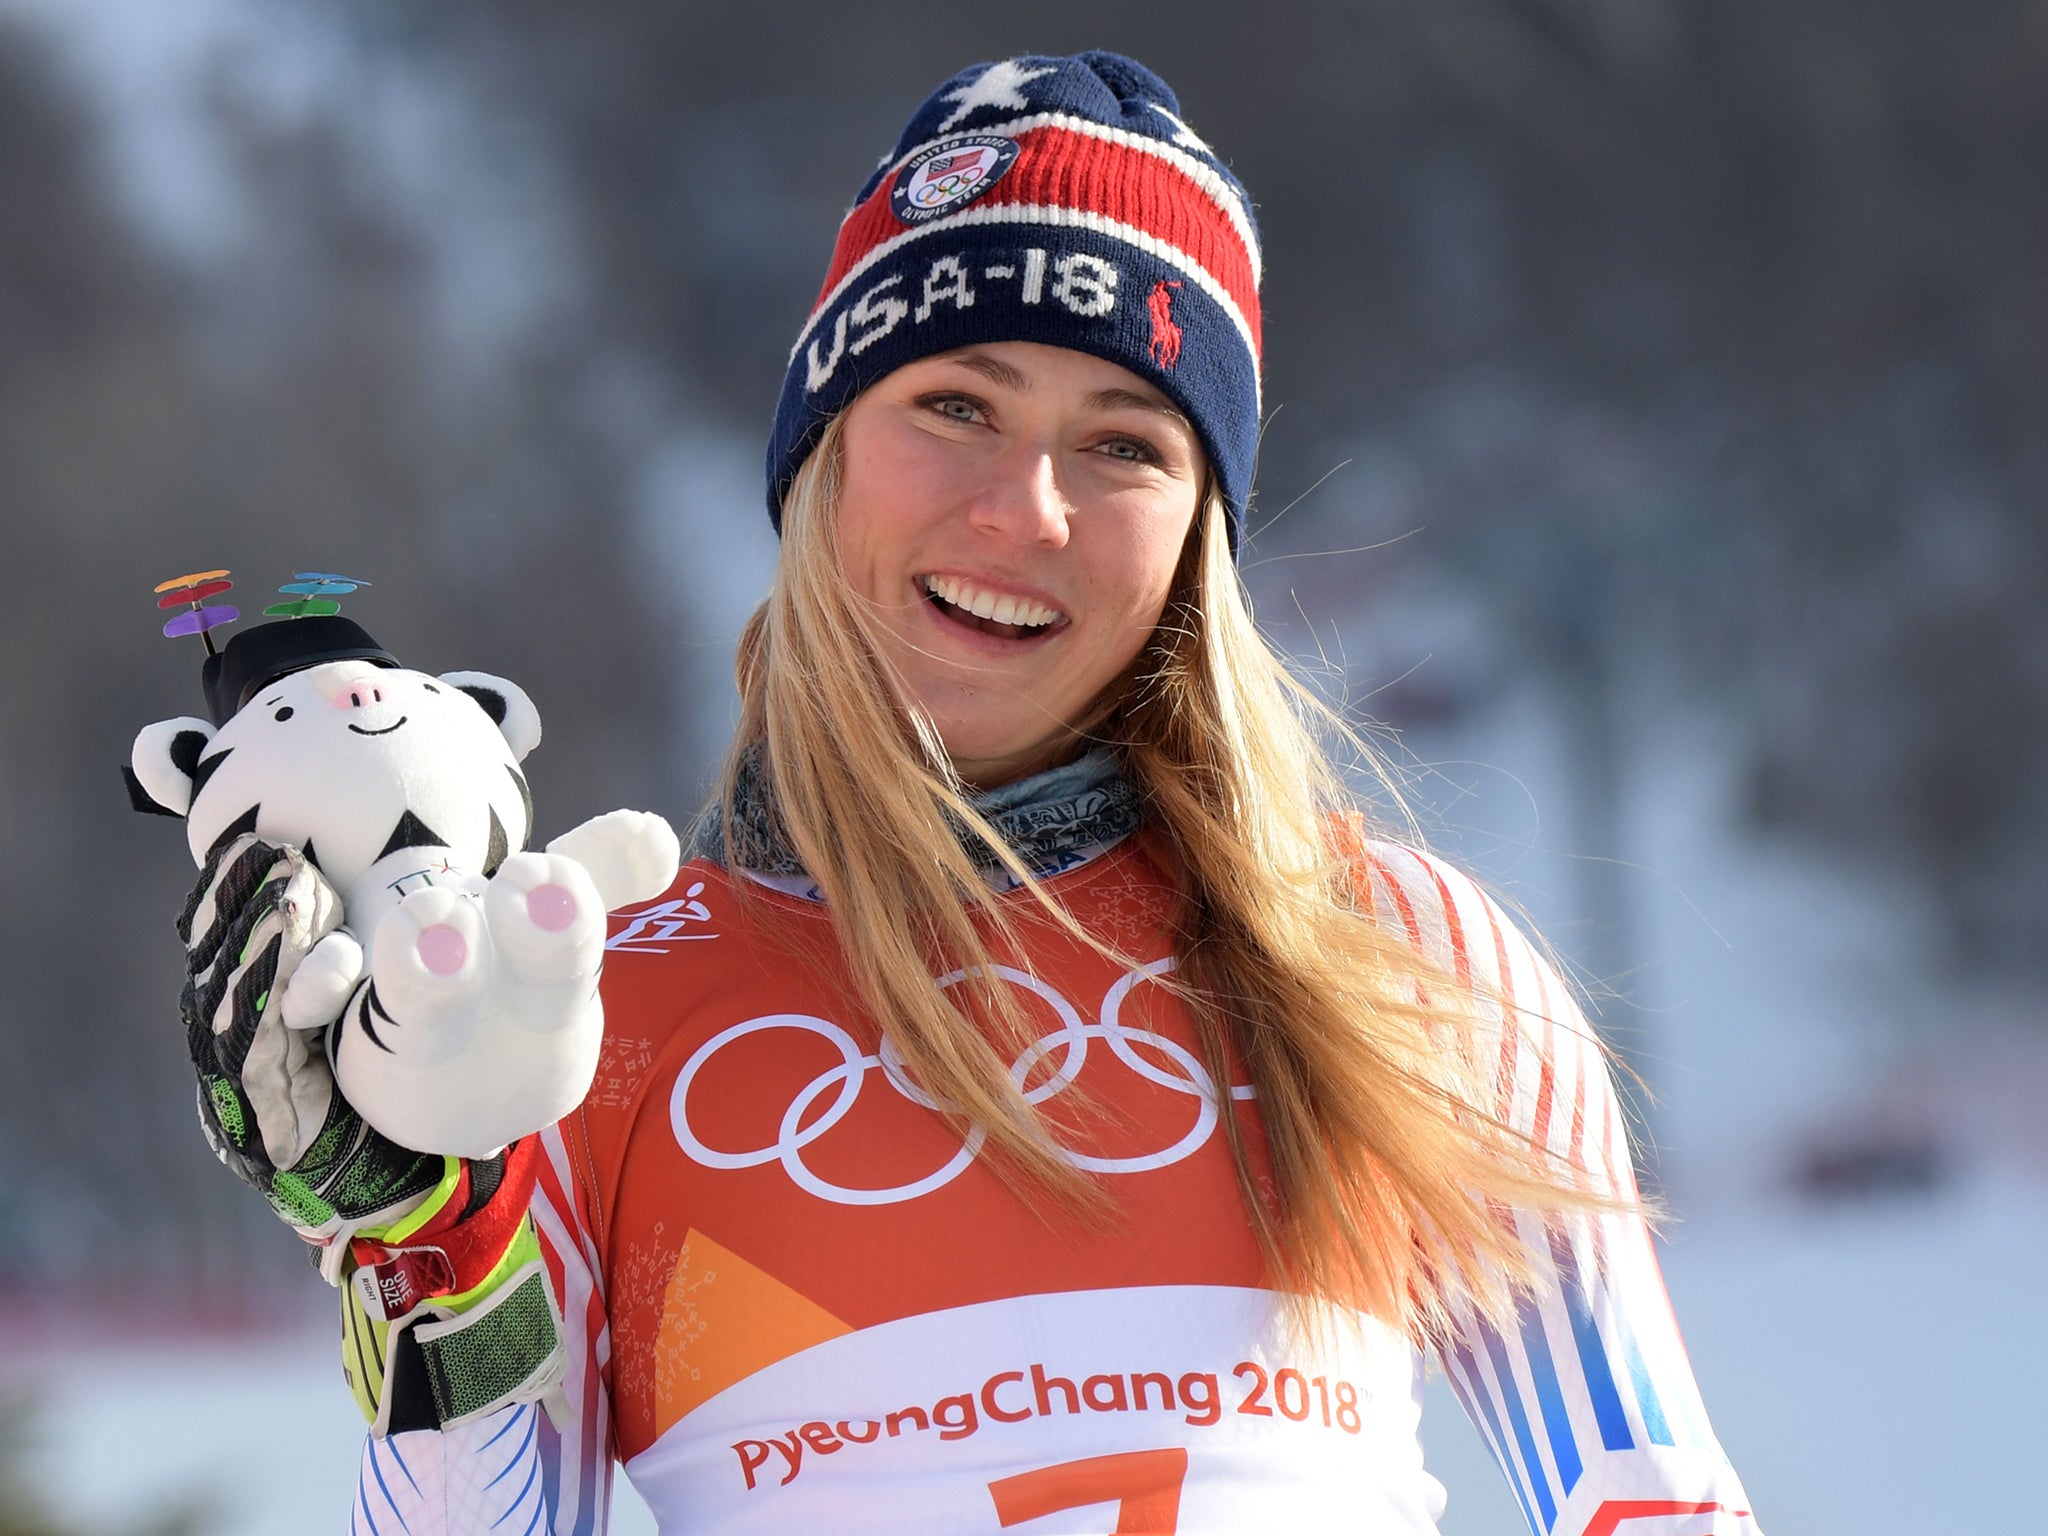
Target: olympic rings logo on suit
846,1081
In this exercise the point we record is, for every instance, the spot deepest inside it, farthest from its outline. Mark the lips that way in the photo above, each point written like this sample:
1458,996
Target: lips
385,732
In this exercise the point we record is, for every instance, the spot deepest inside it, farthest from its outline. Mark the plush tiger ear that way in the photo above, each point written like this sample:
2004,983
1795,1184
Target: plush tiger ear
507,705
164,762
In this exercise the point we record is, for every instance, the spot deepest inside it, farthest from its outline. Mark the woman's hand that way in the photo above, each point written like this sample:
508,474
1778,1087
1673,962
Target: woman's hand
267,1099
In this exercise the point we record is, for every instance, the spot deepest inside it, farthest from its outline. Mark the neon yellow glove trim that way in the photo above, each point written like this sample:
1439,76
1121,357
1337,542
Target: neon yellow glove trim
395,1233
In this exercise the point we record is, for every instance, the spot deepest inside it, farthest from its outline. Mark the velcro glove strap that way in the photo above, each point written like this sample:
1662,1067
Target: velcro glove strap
508,1349
447,1314
455,1358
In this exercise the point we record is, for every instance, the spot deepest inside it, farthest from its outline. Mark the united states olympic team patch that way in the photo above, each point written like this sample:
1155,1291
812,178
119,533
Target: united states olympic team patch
949,175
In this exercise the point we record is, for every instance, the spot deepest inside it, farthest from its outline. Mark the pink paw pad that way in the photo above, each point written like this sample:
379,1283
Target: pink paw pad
552,907
443,949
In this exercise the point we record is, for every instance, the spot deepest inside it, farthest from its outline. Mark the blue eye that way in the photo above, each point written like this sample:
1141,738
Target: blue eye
1131,450
955,407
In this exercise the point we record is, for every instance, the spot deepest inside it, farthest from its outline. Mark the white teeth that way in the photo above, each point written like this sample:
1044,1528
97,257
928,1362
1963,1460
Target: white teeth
998,607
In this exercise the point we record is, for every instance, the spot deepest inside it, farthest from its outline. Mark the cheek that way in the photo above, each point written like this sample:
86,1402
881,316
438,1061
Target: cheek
884,498
1138,577
1128,616
856,529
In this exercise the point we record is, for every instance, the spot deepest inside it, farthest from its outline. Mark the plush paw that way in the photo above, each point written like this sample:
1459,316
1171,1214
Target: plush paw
546,918
432,954
632,856
320,987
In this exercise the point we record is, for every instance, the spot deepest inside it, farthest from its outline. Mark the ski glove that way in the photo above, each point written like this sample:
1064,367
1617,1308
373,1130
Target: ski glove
447,1313
267,1099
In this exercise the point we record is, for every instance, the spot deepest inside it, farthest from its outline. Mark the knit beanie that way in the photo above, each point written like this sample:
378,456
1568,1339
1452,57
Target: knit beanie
1060,201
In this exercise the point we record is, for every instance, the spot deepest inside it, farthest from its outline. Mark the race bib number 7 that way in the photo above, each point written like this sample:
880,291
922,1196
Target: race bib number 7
1144,1485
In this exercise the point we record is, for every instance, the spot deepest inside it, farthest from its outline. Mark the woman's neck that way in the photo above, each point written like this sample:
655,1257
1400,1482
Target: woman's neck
981,776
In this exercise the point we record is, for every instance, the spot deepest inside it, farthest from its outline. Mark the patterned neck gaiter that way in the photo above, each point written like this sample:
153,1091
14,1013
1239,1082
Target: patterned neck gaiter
1047,820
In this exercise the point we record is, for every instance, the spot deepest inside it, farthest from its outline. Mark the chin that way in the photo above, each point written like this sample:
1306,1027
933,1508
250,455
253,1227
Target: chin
984,742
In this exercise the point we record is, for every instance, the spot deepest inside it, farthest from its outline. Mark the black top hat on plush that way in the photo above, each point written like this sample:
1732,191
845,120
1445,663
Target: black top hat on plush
257,657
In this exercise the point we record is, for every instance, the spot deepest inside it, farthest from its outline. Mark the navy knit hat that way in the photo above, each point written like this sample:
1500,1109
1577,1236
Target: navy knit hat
1051,200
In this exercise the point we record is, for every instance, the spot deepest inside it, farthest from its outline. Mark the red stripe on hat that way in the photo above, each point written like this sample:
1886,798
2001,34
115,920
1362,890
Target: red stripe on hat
1061,168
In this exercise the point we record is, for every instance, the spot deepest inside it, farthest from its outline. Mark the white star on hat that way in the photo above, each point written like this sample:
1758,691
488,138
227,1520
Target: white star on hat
996,86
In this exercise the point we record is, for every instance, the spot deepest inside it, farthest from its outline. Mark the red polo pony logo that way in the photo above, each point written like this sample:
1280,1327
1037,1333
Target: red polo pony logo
1165,334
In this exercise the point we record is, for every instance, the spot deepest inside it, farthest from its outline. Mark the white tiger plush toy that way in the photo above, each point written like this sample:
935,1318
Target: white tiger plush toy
481,1020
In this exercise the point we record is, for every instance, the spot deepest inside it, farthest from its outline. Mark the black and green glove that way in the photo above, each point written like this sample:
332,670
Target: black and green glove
267,1098
447,1313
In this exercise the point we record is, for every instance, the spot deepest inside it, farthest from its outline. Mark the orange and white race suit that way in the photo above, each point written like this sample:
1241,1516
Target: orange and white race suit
798,1299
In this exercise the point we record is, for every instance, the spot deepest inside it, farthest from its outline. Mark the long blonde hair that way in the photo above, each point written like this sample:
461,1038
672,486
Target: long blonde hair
1388,1174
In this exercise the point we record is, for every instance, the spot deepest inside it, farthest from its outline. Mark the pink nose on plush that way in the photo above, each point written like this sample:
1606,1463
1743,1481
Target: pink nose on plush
443,949
552,907
354,684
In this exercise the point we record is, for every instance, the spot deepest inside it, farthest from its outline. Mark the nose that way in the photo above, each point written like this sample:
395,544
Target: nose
352,687
361,696
1022,500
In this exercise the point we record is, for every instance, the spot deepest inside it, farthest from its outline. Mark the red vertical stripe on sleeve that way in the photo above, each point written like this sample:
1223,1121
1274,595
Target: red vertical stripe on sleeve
1546,1050
1582,1047
1454,926
1454,929
1401,903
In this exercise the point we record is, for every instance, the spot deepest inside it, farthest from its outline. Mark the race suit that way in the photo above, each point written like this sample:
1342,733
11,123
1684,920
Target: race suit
797,1300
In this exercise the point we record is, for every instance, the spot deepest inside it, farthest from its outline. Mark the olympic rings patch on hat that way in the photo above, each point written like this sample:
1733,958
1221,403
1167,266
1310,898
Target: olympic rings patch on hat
949,175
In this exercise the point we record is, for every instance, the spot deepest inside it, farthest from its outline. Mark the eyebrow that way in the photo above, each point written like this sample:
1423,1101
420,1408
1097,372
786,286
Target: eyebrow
994,369
1130,399
1000,373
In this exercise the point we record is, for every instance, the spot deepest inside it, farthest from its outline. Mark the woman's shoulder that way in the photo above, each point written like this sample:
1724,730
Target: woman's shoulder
1409,889
1418,890
1536,1049
1446,915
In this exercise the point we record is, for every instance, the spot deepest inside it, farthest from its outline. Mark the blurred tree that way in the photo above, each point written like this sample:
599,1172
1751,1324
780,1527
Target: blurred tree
292,405
24,1508
21,1510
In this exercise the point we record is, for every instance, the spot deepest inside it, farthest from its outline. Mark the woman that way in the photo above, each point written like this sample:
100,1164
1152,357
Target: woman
1217,1114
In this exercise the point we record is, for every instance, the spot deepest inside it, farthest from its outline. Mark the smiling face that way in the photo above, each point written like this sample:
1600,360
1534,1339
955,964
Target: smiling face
1013,515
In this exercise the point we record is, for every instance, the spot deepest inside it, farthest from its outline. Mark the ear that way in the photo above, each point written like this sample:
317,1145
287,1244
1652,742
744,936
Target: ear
507,705
165,758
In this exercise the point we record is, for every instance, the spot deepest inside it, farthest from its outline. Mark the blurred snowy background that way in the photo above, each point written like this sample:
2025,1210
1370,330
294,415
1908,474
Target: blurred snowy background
1650,391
